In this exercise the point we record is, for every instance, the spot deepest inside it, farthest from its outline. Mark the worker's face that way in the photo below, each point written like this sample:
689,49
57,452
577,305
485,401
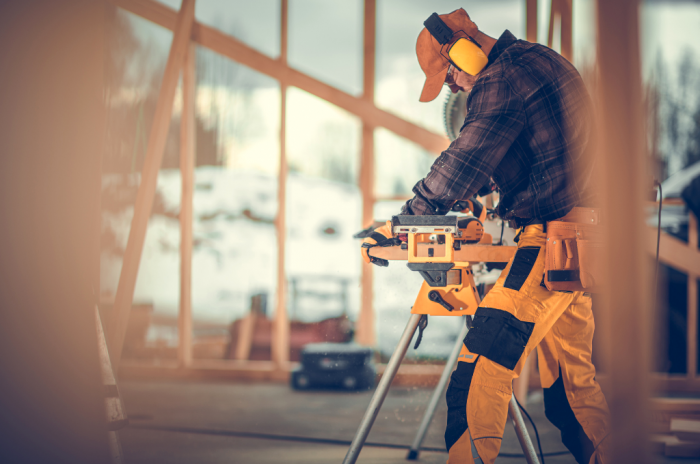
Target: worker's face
458,80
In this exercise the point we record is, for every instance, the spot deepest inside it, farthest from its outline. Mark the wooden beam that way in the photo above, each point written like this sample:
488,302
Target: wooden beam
187,148
675,253
626,307
149,179
692,367
553,11
531,20
566,28
241,53
365,331
280,337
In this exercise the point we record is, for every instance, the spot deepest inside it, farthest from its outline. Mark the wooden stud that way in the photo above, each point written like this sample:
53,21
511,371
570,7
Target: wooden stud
621,154
566,15
280,338
531,20
692,357
149,179
553,11
187,149
238,51
365,331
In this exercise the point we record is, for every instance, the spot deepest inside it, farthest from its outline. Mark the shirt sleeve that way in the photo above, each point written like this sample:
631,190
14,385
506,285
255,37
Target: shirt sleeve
495,118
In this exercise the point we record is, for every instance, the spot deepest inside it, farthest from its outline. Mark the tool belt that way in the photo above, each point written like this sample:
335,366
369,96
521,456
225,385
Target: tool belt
574,252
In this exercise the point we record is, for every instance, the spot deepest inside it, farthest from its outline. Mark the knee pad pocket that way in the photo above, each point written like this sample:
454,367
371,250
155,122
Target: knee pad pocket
498,336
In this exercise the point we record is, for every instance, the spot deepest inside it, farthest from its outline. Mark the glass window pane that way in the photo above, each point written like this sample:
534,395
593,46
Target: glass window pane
324,210
399,164
257,23
322,139
137,51
325,41
235,204
671,65
399,78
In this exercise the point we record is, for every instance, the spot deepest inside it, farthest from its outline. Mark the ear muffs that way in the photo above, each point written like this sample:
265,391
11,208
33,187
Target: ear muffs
464,53
467,56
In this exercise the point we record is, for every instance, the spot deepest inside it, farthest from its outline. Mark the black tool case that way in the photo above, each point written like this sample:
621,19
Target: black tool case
334,365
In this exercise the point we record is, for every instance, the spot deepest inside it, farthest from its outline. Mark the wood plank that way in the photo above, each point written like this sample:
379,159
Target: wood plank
622,157
187,148
241,53
692,357
682,449
280,328
567,39
685,429
244,341
531,21
149,178
553,12
471,253
365,330
675,253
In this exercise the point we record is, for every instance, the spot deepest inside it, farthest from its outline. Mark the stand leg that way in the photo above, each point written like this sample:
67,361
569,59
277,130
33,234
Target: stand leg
438,393
521,432
382,389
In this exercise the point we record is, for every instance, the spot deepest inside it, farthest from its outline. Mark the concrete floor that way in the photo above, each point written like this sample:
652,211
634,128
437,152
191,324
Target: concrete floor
197,422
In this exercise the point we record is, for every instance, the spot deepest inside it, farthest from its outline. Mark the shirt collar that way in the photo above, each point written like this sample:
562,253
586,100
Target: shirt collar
504,41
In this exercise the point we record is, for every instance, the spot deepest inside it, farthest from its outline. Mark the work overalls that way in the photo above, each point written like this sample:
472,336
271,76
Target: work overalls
516,316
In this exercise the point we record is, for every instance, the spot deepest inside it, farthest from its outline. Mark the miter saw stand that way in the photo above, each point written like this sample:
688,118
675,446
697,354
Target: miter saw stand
441,249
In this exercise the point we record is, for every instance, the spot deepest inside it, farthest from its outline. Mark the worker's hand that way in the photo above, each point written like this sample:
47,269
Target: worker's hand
380,237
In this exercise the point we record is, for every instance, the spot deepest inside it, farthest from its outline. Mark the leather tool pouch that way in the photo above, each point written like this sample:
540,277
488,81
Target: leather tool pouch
574,252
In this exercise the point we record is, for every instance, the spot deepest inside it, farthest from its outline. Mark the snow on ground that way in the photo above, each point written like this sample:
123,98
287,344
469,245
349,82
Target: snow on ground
235,253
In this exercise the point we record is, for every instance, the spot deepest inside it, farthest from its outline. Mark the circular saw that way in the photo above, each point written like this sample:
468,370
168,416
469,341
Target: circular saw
454,112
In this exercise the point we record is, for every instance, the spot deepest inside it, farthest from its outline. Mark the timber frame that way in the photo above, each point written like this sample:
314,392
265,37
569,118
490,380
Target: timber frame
187,32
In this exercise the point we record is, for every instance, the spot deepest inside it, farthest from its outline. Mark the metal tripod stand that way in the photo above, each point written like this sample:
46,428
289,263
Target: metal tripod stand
380,393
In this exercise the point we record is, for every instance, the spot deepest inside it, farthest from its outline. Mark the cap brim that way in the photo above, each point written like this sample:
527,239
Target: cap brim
433,86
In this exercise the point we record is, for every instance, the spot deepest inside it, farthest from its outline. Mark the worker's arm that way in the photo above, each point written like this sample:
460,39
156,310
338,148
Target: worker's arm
495,118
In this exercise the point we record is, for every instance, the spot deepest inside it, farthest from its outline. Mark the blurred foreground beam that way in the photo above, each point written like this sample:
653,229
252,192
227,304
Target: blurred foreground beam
187,155
365,333
52,125
149,179
236,50
625,309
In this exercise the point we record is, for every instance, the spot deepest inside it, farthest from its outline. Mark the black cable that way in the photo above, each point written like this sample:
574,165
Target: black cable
658,242
503,226
537,435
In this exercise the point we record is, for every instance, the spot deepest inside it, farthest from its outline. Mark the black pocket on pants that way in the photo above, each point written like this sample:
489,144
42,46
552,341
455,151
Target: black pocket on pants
498,336
522,265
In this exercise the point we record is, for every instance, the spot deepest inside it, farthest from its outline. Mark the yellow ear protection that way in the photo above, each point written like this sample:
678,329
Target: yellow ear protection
464,53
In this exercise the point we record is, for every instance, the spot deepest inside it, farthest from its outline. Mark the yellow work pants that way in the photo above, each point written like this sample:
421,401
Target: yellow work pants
516,316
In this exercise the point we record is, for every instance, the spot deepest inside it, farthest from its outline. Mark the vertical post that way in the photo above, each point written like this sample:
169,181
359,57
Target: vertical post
553,11
692,367
531,20
187,147
149,179
365,333
626,306
566,15
280,339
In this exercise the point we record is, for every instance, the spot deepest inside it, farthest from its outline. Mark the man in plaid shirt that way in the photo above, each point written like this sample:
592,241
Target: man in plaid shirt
527,128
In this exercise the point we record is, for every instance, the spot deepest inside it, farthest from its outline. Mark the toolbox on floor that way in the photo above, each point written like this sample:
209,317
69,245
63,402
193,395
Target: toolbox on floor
334,365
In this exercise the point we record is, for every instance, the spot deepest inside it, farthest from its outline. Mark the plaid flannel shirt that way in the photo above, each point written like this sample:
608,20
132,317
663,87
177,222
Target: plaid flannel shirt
527,127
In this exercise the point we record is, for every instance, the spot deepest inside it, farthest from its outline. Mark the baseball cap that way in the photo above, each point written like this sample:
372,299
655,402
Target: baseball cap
432,62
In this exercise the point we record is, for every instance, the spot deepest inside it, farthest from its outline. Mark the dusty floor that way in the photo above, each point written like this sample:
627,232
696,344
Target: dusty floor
197,422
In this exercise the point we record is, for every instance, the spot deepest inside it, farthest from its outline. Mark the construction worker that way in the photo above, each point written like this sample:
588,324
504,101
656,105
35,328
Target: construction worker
527,129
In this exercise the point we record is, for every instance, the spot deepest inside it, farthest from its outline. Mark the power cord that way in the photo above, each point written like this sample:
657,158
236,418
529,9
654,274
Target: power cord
537,435
658,241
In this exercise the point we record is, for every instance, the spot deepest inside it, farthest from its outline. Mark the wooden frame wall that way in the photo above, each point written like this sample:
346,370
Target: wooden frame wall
187,32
